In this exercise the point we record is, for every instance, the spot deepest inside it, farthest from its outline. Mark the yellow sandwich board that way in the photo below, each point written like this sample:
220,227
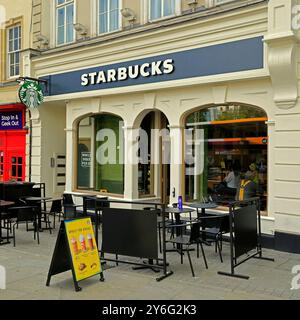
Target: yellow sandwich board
83,247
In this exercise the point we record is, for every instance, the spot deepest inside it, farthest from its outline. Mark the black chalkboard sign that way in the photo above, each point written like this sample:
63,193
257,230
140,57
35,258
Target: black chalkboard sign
130,232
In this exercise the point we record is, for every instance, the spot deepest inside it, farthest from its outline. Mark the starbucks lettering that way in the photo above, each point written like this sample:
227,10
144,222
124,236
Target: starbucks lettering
145,70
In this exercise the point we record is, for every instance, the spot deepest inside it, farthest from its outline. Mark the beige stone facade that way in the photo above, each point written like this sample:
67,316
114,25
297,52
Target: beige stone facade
273,88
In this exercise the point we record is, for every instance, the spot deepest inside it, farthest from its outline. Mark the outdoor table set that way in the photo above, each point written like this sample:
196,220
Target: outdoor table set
3,206
37,202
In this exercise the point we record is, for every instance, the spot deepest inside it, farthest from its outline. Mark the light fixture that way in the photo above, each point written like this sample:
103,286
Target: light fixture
42,39
192,4
81,29
128,14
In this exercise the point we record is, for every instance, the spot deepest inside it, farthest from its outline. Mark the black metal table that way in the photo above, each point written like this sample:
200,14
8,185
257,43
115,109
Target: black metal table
177,212
36,201
203,206
3,204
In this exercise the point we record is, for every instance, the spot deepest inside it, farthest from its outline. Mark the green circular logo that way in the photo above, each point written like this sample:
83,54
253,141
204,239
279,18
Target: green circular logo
31,94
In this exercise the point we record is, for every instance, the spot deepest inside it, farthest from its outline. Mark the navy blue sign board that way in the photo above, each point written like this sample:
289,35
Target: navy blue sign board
236,56
11,120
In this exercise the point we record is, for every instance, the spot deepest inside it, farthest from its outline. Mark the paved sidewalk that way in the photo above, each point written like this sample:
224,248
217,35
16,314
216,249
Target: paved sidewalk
27,267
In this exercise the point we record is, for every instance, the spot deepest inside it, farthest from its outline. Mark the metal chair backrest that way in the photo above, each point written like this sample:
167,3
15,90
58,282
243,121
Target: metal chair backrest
212,221
68,199
102,202
56,206
195,232
27,213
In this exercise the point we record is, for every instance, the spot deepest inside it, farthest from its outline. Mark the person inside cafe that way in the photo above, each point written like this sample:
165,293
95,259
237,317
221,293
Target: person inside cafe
253,173
247,188
231,181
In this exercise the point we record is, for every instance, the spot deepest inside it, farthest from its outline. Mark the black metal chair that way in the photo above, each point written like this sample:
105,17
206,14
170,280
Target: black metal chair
56,210
92,207
6,224
168,222
194,237
70,208
212,230
26,214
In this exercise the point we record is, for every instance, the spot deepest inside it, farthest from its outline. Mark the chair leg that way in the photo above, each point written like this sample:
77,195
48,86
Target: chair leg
7,230
181,254
203,254
54,218
14,234
190,261
38,233
49,225
220,251
221,241
159,239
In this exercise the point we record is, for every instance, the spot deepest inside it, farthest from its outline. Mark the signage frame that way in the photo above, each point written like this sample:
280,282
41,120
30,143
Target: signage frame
62,259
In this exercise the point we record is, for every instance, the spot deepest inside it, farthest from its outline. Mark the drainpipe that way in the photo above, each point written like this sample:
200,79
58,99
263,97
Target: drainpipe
30,146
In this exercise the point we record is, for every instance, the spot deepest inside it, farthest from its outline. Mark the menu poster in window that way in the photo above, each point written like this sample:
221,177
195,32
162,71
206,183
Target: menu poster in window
85,159
83,248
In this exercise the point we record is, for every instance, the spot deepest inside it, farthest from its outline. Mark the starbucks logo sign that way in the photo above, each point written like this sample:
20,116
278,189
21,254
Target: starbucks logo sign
31,94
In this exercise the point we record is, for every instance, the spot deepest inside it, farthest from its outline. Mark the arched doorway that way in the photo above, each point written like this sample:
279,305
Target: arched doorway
225,137
154,168
100,154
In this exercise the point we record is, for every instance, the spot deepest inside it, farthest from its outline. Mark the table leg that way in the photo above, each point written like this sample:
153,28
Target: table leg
1,227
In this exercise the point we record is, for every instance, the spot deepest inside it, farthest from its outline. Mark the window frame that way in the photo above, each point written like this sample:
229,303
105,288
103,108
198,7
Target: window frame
8,53
56,7
92,190
177,11
220,2
97,26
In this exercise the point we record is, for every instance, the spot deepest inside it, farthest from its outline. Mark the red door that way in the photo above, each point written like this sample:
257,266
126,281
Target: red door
16,167
1,165
12,143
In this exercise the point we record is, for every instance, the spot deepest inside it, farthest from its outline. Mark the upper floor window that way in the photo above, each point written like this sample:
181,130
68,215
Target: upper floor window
109,15
64,21
14,47
222,1
161,8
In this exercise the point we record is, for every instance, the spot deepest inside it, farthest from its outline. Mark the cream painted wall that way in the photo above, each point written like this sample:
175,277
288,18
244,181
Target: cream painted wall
275,89
9,94
53,123
16,12
20,8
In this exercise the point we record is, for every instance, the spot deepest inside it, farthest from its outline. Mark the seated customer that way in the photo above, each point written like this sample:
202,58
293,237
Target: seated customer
253,173
246,189
231,181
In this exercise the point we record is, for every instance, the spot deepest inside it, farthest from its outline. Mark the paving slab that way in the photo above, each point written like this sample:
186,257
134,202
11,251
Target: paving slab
27,267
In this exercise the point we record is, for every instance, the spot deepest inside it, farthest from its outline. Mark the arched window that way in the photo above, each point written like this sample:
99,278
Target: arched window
223,139
100,165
